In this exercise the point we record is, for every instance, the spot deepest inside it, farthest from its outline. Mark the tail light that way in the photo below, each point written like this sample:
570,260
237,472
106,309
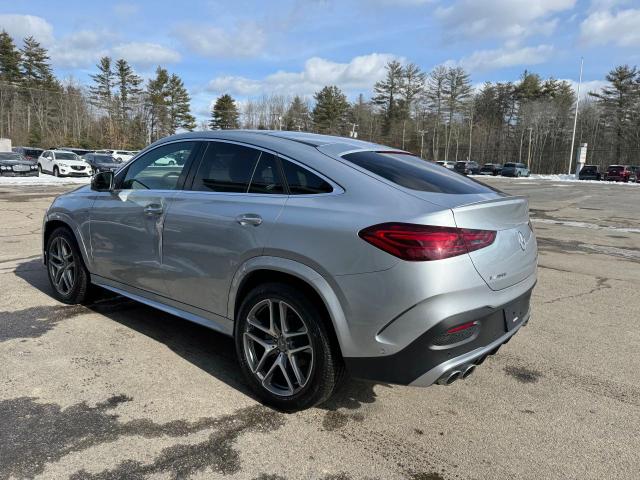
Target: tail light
425,242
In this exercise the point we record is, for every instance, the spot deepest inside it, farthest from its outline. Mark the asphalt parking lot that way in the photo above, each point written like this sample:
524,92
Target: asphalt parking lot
119,390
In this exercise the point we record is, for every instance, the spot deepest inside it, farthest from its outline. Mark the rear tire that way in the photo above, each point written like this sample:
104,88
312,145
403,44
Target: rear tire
292,364
67,273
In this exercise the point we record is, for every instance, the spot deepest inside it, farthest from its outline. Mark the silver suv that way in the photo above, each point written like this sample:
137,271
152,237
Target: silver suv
317,254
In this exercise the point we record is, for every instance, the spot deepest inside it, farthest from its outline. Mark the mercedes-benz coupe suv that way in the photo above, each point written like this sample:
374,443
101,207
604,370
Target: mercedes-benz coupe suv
319,255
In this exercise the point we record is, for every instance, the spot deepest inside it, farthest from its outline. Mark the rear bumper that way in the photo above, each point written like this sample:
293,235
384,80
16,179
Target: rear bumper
436,353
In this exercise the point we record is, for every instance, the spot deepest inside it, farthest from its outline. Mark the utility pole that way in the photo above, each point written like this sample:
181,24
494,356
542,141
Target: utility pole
470,133
529,152
575,117
404,122
422,132
354,132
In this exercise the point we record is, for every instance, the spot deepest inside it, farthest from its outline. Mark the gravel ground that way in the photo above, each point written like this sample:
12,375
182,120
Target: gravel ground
119,390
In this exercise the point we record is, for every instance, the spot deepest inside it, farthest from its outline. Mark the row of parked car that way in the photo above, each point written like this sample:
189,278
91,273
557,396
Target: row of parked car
509,169
614,173
62,161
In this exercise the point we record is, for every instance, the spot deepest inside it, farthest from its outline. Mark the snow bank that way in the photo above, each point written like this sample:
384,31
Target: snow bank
43,179
556,177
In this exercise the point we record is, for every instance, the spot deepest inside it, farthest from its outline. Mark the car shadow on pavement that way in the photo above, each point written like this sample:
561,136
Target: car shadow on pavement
210,351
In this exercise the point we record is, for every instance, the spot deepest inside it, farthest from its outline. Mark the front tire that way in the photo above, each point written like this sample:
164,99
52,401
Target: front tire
56,172
284,348
68,276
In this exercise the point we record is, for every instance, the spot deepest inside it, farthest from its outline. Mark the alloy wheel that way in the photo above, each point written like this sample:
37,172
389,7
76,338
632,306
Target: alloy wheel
277,347
62,266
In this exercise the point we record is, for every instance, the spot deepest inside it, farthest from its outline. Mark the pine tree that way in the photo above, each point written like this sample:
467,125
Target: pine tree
128,88
224,114
157,93
36,69
9,59
388,92
179,109
331,110
412,85
102,91
620,102
456,89
297,116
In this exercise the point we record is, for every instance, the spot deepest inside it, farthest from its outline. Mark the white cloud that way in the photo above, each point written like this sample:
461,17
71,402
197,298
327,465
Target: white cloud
606,27
357,75
483,60
80,49
245,40
145,53
21,26
502,18
587,86
125,10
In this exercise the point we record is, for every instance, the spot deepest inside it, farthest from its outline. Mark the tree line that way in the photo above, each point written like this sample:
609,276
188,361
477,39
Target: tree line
438,115
116,110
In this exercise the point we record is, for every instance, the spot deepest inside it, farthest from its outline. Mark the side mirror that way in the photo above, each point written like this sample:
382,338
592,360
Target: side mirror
102,182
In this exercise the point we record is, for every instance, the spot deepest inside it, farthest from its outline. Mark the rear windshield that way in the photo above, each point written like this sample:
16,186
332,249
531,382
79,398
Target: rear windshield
461,164
509,165
616,169
104,159
66,156
589,168
414,173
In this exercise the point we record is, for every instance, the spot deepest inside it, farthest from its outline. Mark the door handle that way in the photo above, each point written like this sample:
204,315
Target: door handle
153,209
249,219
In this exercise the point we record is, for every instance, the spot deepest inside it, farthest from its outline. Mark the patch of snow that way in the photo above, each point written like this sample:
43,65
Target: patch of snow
44,179
592,226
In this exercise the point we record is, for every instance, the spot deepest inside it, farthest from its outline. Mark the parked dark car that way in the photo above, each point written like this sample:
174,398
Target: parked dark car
467,168
491,169
13,164
77,151
514,170
29,153
101,162
619,173
590,172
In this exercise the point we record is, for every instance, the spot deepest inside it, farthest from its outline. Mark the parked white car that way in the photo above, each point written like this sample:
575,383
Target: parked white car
119,155
63,164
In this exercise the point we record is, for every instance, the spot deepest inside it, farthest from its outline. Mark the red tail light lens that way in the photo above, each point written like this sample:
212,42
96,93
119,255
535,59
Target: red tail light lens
424,242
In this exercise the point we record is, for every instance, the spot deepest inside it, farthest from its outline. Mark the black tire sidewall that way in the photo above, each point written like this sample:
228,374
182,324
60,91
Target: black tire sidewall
79,293
327,362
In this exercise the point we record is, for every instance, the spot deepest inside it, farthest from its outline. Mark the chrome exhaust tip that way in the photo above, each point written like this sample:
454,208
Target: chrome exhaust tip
468,370
449,378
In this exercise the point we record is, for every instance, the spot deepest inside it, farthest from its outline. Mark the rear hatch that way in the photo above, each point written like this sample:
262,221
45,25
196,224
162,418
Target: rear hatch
513,255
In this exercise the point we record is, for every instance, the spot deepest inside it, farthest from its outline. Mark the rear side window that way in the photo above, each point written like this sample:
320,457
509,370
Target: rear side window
302,182
266,176
414,173
226,167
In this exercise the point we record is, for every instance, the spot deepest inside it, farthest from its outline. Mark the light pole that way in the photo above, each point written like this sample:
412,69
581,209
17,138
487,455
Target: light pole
354,132
575,117
529,152
422,132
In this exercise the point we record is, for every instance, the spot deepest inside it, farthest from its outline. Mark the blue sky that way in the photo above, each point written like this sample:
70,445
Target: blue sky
250,47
